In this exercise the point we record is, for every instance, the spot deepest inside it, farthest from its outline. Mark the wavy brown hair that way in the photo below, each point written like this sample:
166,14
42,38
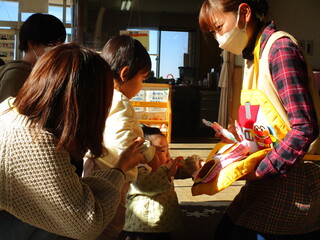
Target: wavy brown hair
69,93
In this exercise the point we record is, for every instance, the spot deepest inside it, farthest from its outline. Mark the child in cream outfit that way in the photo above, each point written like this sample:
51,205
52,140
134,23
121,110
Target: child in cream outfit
130,64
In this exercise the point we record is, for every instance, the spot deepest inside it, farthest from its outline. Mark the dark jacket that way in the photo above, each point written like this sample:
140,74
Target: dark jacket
12,77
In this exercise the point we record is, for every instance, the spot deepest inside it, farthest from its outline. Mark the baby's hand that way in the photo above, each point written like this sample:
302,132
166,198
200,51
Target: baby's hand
180,159
174,166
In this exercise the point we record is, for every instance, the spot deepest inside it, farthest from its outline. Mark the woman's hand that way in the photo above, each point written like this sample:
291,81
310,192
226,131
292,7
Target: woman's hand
253,175
154,163
130,157
231,129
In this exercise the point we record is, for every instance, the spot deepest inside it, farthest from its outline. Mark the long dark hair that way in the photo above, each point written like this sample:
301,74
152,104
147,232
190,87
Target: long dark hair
123,50
69,93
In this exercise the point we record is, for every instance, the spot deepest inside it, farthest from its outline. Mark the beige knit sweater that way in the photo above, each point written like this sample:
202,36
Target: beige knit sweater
39,185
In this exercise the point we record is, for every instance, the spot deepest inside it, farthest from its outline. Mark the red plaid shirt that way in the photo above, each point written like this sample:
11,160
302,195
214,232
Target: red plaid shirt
291,204
289,73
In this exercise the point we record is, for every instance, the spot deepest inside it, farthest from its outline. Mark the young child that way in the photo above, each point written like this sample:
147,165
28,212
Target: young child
130,64
153,210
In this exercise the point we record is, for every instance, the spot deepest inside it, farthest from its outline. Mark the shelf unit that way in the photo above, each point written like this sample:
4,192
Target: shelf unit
162,103
7,44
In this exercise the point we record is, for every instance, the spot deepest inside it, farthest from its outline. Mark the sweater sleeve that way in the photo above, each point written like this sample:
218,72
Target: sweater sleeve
42,189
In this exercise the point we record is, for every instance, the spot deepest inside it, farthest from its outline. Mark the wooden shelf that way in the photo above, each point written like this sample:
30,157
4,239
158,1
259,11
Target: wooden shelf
7,44
161,89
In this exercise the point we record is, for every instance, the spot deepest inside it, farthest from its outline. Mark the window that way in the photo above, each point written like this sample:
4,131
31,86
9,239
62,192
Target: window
9,17
167,51
61,9
8,11
173,47
154,49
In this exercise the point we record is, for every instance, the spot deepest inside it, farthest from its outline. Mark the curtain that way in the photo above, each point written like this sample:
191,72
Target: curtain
97,41
225,87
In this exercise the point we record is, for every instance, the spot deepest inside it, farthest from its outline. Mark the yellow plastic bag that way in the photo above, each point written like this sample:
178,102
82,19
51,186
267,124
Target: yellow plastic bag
229,174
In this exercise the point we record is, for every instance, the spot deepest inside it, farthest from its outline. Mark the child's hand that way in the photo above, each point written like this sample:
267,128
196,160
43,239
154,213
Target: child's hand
179,159
187,167
174,166
130,157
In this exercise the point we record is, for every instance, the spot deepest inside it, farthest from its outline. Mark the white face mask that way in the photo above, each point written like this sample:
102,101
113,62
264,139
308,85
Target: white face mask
37,57
235,40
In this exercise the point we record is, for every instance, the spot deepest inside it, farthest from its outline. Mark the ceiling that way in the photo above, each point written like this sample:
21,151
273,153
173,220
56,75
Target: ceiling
172,6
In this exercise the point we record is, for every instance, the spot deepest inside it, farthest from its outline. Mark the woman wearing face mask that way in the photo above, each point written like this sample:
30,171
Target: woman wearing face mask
281,198
38,34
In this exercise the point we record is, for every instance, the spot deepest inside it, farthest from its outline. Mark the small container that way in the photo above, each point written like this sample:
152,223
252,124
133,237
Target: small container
213,79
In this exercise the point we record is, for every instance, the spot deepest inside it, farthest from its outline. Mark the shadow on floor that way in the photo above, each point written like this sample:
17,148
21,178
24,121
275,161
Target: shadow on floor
198,221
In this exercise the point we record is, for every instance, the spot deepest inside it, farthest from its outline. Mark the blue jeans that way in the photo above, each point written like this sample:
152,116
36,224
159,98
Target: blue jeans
227,230
12,228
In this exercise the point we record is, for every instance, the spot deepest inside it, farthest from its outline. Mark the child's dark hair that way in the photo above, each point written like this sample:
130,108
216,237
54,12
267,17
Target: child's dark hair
150,131
123,50
41,29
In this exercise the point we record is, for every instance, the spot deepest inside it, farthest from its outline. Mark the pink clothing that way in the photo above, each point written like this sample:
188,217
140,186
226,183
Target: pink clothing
234,152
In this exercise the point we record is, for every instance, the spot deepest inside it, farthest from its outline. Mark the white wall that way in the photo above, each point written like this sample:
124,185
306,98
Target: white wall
302,20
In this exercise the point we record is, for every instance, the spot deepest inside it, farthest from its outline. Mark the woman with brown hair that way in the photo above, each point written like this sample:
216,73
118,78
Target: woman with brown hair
60,113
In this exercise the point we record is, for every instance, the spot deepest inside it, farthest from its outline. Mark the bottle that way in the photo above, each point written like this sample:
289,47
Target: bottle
205,82
211,78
